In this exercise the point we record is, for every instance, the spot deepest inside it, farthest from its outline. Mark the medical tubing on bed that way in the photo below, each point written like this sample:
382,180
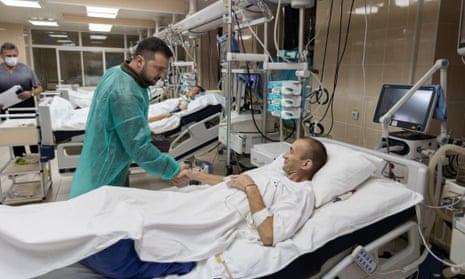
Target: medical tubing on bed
260,216
431,172
220,260
444,262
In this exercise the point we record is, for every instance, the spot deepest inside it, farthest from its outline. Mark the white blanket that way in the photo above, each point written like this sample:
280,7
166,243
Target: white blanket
174,121
375,200
167,226
65,118
82,97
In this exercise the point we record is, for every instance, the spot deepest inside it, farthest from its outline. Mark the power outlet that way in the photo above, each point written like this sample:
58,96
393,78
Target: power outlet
355,114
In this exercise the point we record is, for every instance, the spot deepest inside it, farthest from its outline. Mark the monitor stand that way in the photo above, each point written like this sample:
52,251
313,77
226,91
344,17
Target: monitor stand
409,135
410,144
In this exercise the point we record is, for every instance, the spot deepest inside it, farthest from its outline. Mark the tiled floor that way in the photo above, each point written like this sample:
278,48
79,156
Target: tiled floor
137,179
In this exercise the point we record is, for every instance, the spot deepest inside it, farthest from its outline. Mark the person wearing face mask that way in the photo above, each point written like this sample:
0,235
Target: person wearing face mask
117,131
14,73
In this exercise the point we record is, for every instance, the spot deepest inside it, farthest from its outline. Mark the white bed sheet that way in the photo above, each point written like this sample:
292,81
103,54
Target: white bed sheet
174,121
81,97
65,118
374,200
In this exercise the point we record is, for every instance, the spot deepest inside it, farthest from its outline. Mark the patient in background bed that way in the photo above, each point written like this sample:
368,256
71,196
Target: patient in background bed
184,101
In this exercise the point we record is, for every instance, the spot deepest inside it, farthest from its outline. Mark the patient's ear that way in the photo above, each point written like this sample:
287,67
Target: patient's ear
307,165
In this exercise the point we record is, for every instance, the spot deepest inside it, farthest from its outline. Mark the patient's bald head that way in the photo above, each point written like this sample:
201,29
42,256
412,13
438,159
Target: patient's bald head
304,158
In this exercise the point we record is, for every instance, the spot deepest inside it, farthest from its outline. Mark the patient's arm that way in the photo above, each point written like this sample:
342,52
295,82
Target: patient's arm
245,183
159,117
205,178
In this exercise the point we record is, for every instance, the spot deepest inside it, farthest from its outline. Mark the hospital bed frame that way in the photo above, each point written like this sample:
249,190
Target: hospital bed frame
334,259
195,131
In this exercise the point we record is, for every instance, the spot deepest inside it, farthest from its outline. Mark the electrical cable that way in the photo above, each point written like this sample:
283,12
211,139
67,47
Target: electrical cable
261,43
275,29
249,93
446,263
325,49
339,62
364,99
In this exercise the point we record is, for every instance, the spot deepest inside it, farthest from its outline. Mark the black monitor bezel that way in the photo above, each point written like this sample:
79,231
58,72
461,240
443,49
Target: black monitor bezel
400,123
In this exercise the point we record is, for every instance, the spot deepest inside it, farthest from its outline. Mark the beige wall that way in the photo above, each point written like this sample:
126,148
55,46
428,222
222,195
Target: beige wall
391,54
446,46
14,33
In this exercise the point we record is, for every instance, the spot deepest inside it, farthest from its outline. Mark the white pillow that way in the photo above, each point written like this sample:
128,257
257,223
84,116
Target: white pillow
343,172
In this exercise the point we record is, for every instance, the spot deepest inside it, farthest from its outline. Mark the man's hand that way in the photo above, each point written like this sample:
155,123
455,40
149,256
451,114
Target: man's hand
240,181
184,175
25,95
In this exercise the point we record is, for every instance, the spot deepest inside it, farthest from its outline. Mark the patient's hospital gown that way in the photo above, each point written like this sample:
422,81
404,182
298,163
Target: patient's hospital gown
117,133
167,226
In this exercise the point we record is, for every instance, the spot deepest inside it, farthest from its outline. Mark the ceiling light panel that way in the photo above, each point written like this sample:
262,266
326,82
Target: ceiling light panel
21,3
58,35
98,37
100,27
101,12
38,22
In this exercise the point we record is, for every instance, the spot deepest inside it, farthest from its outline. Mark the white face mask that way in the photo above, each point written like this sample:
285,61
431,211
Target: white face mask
11,61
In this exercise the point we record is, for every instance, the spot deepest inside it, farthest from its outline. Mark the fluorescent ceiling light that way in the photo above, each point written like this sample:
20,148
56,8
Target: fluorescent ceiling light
38,22
100,27
21,3
58,35
64,41
368,10
98,37
101,12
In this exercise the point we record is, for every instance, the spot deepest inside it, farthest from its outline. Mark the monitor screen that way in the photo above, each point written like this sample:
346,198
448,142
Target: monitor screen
461,36
415,114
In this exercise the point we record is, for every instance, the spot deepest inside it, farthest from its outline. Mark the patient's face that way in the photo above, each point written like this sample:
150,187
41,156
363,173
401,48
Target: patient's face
193,92
292,158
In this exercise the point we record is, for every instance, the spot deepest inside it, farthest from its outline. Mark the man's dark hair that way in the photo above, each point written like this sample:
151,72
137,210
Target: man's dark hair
8,46
149,46
316,151
201,89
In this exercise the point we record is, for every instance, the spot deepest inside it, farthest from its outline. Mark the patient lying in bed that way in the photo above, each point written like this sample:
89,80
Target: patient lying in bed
64,117
268,204
182,104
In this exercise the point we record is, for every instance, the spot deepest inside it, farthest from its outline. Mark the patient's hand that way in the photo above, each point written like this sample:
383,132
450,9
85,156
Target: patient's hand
159,117
183,106
240,181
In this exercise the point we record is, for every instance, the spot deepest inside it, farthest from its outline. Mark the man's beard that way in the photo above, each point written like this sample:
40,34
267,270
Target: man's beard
146,80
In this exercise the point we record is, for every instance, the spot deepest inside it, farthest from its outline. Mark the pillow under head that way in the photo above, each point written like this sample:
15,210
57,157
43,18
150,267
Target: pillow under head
345,170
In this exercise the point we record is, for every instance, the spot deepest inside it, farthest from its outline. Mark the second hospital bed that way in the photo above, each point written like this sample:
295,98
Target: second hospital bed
179,135
378,211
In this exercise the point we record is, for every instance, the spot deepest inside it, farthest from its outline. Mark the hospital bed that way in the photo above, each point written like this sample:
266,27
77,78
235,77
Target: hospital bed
81,97
380,214
179,135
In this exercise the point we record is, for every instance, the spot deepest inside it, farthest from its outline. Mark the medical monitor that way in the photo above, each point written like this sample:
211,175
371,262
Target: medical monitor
415,114
461,36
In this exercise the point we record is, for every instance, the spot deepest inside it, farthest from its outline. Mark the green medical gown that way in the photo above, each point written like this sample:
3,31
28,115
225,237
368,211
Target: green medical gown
117,134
